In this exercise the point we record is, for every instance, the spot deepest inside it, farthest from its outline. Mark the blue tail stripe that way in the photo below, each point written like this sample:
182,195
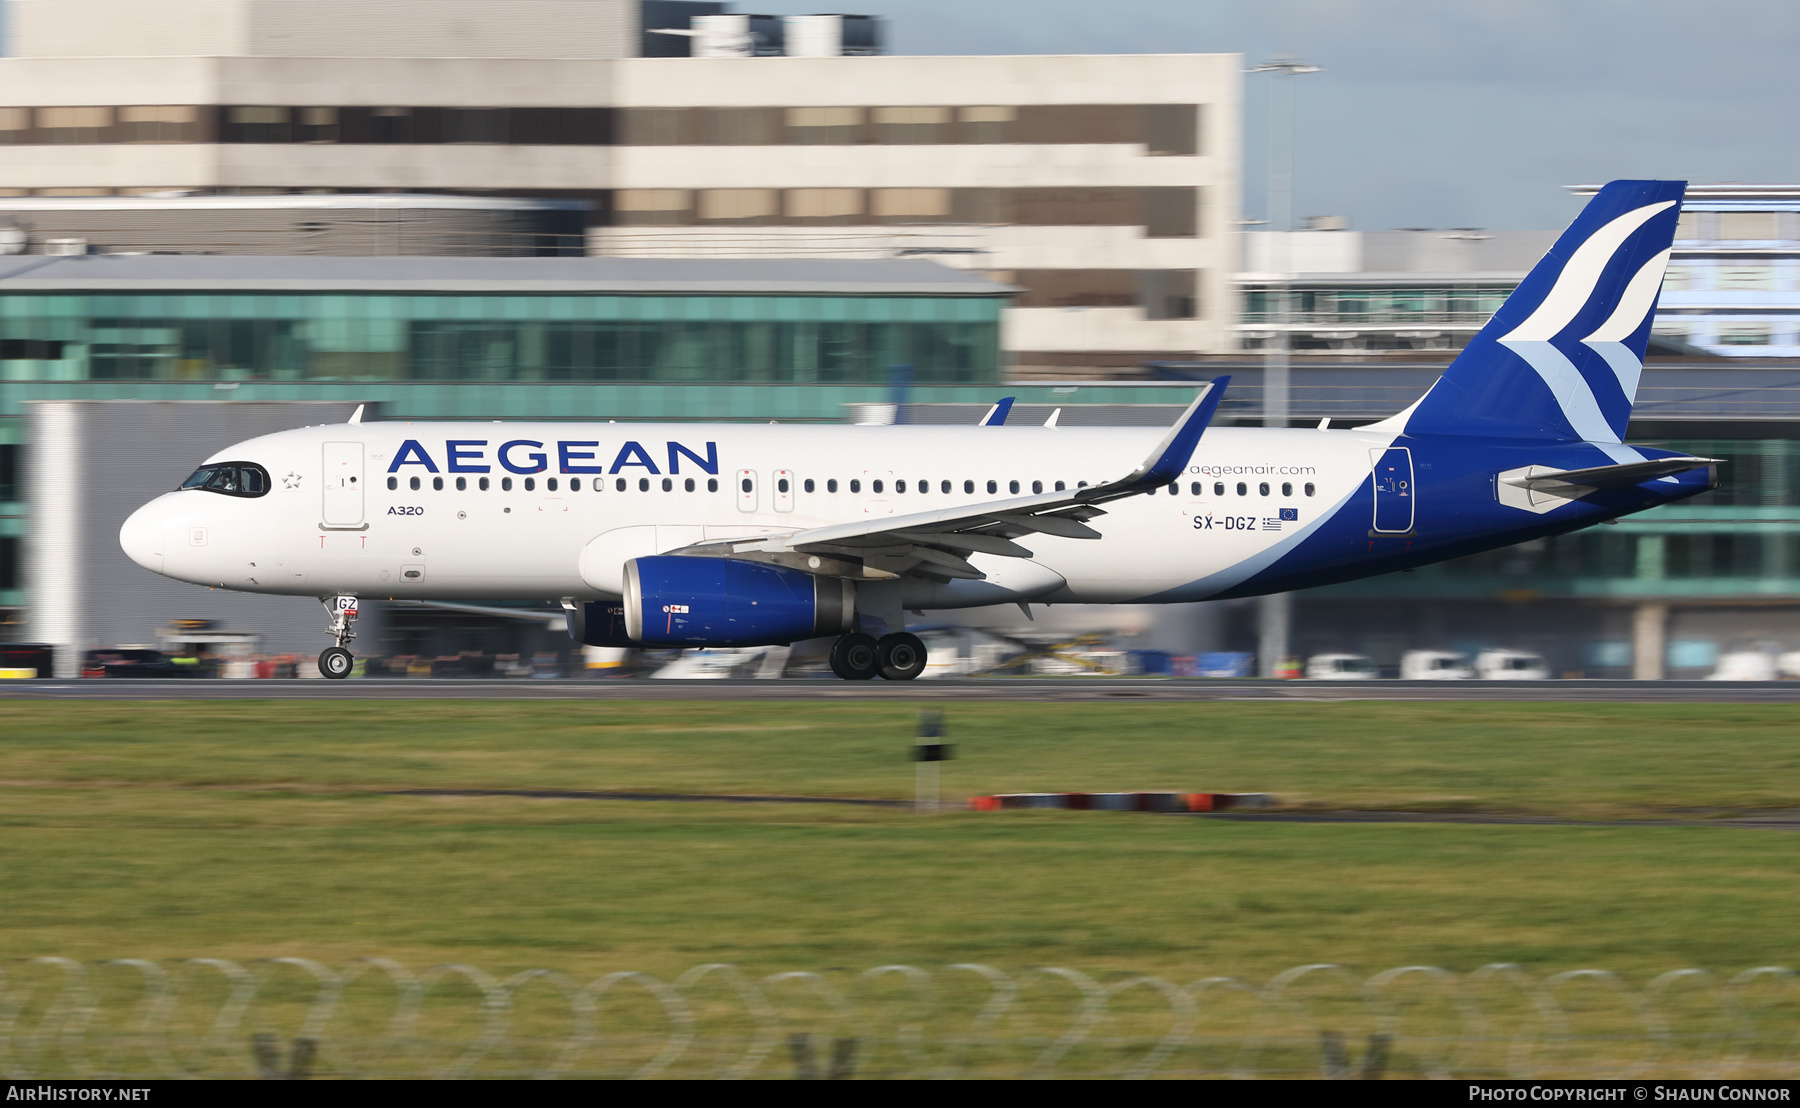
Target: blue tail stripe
1552,363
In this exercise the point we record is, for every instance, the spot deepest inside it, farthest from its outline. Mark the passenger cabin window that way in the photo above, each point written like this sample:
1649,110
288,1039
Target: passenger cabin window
712,484
437,484
549,483
875,485
808,486
619,484
1012,486
1309,488
994,486
969,487
414,484
232,479
506,484
1243,489
643,484
944,487
855,485
899,486
1218,488
393,483
668,485
574,484
1287,488
484,484
462,484
1194,489
831,485
689,484
531,484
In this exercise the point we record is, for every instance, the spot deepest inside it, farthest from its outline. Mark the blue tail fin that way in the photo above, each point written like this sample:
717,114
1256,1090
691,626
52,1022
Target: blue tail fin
1561,358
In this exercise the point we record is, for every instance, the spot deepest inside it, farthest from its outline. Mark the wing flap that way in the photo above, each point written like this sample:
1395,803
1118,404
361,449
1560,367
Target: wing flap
1060,526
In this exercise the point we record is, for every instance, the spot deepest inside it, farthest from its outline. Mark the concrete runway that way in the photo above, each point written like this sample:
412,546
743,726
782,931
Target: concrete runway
971,689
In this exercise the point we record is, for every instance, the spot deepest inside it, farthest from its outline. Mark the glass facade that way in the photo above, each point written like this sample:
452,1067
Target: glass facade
351,336
1402,306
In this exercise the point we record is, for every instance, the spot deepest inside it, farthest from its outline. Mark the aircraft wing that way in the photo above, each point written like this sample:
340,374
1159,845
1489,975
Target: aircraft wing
938,543
1577,483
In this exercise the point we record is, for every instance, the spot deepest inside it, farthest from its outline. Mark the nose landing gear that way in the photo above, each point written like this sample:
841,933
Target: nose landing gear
336,662
860,657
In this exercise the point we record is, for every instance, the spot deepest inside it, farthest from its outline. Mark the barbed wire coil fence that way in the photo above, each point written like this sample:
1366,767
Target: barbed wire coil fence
293,1017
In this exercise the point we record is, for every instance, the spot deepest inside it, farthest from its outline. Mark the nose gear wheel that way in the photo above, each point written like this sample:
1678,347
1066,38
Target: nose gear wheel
336,663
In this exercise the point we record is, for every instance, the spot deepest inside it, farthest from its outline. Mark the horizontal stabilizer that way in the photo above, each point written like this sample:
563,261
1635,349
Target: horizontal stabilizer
1575,483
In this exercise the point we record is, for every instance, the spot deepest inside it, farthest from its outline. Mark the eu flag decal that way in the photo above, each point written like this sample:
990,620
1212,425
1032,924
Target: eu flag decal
1290,515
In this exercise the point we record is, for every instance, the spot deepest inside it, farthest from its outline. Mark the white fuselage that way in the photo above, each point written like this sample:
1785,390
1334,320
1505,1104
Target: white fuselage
330,523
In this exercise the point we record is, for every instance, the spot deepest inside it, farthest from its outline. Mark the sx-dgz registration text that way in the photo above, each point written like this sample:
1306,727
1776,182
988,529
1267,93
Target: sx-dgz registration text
1232,523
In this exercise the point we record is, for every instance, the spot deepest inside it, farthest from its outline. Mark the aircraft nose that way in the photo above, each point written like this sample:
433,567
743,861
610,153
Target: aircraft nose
142,537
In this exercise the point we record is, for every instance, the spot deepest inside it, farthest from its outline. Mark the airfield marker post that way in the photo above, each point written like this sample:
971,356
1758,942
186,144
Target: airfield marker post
928,751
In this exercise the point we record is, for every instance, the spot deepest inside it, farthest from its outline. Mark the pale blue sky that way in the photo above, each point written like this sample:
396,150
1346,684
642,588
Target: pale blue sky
1452,113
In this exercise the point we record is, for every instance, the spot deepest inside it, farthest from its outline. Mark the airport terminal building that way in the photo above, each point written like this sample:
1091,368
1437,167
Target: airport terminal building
1105,187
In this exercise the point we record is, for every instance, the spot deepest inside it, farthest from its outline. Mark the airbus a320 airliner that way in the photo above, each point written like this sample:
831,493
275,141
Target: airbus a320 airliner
694,535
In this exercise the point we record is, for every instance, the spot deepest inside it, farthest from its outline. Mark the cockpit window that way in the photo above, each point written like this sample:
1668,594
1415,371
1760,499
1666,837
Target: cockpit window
230,478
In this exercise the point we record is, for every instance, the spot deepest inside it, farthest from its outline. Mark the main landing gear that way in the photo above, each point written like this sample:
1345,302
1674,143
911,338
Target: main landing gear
336,662
861,657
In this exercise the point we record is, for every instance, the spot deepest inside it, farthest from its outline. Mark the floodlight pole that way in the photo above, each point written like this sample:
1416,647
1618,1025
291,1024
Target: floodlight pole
1275,611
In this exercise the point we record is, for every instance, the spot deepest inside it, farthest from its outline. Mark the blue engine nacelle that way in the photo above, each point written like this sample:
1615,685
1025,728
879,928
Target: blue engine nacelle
599,623
673,600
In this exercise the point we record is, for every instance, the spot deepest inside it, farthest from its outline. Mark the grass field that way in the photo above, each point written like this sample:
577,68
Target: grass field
249,829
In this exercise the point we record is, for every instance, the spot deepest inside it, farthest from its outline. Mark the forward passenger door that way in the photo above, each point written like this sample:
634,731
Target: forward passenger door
342,485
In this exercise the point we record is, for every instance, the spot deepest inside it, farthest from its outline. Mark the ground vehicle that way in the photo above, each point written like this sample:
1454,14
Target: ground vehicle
18,658
1511,665
1340,667
129,661
1744,665
1435,665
